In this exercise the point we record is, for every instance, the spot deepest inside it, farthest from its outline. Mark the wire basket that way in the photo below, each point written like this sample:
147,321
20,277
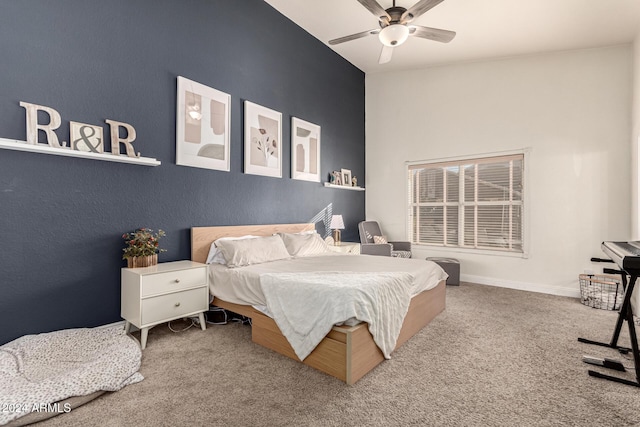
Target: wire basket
603,291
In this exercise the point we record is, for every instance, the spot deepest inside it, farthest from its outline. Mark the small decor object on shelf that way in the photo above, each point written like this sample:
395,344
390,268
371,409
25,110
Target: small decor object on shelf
354,182
336,178
85,142
142,247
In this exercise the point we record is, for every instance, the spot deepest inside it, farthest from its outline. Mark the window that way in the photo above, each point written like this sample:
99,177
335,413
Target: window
472,203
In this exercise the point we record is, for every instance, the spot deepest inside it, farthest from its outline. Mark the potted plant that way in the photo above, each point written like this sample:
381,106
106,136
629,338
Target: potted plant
142,247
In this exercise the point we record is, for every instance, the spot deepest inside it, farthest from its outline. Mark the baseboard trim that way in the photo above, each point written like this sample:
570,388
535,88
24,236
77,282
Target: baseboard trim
522,286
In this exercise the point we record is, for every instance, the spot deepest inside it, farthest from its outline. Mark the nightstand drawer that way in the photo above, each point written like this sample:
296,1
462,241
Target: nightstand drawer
166,307
160,283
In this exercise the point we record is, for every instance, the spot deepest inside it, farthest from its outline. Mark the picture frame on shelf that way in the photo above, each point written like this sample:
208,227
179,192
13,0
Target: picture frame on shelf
203,126
305,150
262,140
346,177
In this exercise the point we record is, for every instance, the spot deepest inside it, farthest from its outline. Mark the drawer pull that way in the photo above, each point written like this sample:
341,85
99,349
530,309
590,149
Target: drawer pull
177,280
177,304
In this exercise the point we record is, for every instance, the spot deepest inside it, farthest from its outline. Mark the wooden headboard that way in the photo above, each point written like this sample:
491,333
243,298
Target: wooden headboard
202,237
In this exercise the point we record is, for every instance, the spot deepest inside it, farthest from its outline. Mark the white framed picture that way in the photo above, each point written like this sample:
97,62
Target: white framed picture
346,177
305,150
262,140
203,125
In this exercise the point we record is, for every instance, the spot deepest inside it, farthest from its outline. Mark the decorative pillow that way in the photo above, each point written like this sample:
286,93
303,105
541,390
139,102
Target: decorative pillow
301,245
381,240
215,255
303,232
239,253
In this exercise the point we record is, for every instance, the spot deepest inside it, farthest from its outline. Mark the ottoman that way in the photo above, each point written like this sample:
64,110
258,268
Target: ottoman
451,266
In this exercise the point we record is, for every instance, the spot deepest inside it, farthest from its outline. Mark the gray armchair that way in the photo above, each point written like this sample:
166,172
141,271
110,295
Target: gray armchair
370,229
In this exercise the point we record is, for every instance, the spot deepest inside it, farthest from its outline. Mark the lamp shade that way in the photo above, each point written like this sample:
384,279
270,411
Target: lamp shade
394,35
336,222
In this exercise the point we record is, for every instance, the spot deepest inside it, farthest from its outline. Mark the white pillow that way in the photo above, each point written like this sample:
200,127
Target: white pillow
215,255
239,253
307,232
306,244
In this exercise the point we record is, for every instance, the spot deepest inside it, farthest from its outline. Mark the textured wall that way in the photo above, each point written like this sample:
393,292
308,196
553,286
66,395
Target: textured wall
61,218
572,110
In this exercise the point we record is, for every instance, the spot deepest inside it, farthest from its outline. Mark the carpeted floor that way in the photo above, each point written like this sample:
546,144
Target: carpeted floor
495,357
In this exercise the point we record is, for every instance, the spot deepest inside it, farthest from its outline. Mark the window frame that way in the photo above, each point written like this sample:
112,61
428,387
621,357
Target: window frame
475,159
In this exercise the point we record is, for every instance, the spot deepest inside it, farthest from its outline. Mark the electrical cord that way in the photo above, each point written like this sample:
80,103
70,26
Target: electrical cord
192,323
195,321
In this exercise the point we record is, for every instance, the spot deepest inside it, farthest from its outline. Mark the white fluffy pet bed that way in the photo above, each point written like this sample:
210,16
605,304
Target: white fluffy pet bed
46,374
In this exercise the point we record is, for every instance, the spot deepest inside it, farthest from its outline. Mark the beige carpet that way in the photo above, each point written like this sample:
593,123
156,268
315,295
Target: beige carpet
495,357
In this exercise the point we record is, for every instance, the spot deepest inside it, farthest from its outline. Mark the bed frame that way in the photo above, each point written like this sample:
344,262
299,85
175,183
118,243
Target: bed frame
347,352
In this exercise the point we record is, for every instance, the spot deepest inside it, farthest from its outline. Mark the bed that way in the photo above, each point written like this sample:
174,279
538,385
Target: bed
347,352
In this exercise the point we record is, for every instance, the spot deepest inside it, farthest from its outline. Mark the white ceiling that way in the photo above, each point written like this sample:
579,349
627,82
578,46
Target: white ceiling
485,28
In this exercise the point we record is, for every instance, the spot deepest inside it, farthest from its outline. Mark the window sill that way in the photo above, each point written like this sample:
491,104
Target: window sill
455,250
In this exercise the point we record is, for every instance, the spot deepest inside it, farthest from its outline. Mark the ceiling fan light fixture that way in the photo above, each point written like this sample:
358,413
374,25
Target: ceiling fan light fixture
394,35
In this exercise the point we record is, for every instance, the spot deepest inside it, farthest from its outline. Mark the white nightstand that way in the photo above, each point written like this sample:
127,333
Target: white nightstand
346,247
163,292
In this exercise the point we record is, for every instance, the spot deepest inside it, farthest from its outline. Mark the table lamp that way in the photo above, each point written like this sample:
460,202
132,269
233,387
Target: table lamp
336,225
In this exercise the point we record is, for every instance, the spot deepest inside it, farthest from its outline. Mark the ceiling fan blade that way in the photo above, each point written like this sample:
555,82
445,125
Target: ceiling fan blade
418,9
385,54
374,7
436,34
354,36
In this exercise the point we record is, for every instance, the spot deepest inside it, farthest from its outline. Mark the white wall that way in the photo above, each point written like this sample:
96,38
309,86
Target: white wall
635,161
572,109
635,141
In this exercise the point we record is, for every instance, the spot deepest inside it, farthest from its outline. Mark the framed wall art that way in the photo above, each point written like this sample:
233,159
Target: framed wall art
305,150
346,177
262,140
203,124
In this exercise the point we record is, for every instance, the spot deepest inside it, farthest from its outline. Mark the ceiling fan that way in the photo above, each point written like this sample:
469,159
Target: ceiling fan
395,26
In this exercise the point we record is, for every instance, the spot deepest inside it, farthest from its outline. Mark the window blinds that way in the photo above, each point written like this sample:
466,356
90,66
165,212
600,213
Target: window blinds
472,203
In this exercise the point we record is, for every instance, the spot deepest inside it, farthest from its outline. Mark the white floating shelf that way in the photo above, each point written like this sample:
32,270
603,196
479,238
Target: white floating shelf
13,144
343,187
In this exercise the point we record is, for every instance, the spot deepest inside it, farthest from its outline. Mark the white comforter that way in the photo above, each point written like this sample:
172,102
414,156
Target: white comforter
300,293
307,305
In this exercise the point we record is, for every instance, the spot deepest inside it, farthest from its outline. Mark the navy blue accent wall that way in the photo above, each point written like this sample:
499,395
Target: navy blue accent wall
61,218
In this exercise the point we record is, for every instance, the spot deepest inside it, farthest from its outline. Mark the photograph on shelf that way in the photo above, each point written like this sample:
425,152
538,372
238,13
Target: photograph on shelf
305,150
346,177
203,126
262,140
